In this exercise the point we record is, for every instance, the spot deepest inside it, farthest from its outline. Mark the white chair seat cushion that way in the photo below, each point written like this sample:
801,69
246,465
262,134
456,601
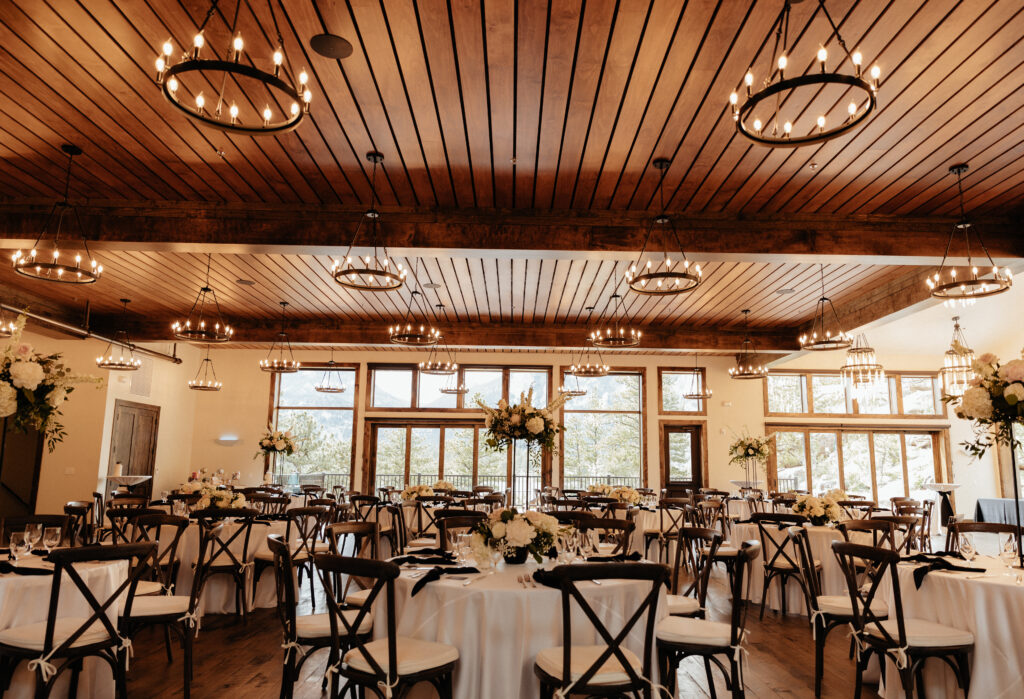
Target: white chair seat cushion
158,605
321,546
664,529
783,564
319,625
682,604
701,632
722,552
423,542
267,556
358,597
149,587
31,636
605,549
582,657
840,604
924,634
413,655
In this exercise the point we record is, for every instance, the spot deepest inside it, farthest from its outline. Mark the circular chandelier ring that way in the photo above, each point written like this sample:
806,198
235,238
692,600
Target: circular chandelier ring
803,81
690,282
588,372
189,335
35,270
827,344
615,341
394,280
233,68
962,289
414,338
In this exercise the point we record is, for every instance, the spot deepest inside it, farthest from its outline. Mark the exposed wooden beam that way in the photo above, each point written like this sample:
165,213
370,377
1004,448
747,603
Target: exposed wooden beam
201,227
329,331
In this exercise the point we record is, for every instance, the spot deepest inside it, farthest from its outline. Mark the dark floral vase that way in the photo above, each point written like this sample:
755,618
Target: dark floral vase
819,521
517,556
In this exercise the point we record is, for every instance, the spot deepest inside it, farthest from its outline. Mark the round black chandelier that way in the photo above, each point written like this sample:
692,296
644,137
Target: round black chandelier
203,324
825,333
51,265
369,273
205,378
411,333
617,334
666,276
280,359
951,281
749,364
328,384
119,362
758,116
256,108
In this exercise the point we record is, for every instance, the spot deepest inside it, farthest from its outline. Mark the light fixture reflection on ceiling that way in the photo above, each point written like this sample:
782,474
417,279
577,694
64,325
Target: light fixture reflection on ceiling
951,281
825,333
330,382
205,378
766,126
47,262
280,359
120,362
749,364
958,363
242,103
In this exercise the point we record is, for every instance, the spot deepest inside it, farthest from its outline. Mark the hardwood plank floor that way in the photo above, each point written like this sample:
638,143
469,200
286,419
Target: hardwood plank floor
232,659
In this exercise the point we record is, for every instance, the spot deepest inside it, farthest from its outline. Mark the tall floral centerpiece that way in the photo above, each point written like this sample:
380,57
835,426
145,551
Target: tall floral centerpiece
514,535
749,452
994,403
33,387
508,424
274,442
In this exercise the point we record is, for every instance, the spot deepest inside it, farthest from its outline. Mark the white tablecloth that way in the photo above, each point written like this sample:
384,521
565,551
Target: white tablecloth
25,599
499,627
821,538
991,608
219,593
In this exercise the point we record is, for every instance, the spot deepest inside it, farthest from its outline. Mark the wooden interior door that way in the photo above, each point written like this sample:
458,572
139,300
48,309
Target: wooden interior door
682,462
133,441
21,454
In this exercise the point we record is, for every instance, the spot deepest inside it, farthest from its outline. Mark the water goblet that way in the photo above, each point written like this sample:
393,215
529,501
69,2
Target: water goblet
21,546
1008,553
33,533
51,538
967,549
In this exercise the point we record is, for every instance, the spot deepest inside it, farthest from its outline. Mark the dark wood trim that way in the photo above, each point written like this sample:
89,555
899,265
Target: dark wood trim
661,395
702,431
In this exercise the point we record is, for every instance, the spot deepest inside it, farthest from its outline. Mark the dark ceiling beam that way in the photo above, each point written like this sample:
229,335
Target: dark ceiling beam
333,332
228,228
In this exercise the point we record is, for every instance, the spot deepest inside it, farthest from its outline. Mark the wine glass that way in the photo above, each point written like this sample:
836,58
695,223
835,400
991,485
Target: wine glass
33,533
51,538
967,549
1008,552
21,545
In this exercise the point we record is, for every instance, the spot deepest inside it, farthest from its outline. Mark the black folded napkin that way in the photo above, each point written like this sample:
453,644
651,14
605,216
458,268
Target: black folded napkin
6,567
617,558
929,557
257,521
424,560
428,552
436,574
40,552
937,564
545,577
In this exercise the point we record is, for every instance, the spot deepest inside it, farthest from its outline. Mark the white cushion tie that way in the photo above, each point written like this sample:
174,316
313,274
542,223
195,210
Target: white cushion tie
858,642
192,619
126,645
900,655
289,646
387,689
815,615
46,669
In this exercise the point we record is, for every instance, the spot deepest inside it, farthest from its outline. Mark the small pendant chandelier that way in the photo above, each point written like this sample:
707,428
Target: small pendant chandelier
244,115
970,282
440,361
957,367
369,273
330,383
617,334
590,363
698,390
453,386
409,332
198,326
826,333
668,276
280,359
572,390
7,327
862,371
47,265
205,378
775,93
119,363
749,364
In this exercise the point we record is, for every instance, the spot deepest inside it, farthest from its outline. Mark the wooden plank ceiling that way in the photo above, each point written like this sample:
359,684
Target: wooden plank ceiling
510,105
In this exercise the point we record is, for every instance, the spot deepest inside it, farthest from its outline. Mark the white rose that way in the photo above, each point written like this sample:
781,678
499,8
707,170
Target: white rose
8,399
1014,391
535,425
498,530
57,397
26,375
519,533
976,404
515,419
279,445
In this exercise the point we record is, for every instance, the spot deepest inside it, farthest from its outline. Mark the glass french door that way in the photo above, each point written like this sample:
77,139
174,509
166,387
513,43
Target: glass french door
681,459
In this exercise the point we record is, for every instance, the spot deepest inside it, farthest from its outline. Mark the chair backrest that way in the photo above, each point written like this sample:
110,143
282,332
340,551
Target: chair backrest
755,502
618,510
453,524
748,553
958,528
812,583
381,578
140,560
397,515
304,526
127,500
771,526
857,508
474,503
80,523
695,552
211,524
364,507
906,525
355,539
572,517
883,533
620,531
17,523
148,528
120,519
483,489
671,513
568,577
710,512
567,504
866,569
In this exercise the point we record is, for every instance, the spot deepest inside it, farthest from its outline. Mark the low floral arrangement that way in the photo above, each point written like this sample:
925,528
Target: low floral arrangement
210,496
627,495
994,402
819,511
412,492
507,423
277,442
599,489
444,485
751,449
514,535
33,387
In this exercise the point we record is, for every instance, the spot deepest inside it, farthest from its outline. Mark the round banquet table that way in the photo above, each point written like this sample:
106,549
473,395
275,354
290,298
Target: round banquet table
989,607
499,627
25,599
821,538
219,593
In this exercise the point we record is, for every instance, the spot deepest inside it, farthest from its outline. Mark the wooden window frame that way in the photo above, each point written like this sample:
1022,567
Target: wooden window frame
894,379
662,370
460,401
665,427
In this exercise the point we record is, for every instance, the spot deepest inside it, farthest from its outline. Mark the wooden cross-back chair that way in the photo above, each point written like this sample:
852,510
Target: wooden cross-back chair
305,526
671,517
463,523
957,528
779,555
427,507
695,555
80,522
857,508
569,504
119,519
907,642
365,507
149,528
597,670
711,514
212,523
906,529
66,642
617,533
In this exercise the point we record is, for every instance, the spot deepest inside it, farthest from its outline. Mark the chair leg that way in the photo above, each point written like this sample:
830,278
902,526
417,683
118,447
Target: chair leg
819,655
764,591
738,690
783,579
711,677
167,643
907,681
121,675
76,672
187,660
287,675
965,672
